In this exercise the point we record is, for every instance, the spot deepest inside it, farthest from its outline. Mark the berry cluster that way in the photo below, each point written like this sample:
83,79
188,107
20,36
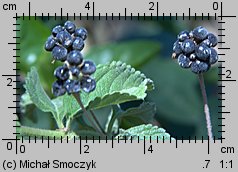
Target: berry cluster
66,43
195,50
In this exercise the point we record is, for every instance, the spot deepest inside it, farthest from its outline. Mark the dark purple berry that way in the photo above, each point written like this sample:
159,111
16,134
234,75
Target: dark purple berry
50,43
70,26
61,73
202,52
177,49
211,40
213,56
78,44
88,84
81,32
184,61
59,53
88,67
75,58
200,33
188,46
72,86
183,35
57,29
58,88
199,67
75,71
64,38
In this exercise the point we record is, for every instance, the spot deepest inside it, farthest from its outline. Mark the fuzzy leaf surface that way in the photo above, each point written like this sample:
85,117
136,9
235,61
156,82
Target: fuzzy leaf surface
144,131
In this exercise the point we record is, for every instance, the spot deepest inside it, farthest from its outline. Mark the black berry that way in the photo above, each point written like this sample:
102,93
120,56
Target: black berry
211,40
74,58
88,67
75,71
213,56
177,49
61,73
72,86
188,46
183,35
81,32
64,38
78,44
88,84
59,53
202,52
200,33
57,29
58,88
199,67
184,61
70,26
50,43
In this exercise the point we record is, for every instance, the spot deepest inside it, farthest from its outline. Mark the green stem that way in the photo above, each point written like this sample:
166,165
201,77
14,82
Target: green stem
115,110
77,97
29,131
60,124
68,124
97,122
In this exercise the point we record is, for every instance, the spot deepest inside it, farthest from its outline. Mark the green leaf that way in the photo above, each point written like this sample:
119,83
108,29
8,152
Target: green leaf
25,100
144,131
40,98
134,53
177,98
33,35
116,83
134,116
138,115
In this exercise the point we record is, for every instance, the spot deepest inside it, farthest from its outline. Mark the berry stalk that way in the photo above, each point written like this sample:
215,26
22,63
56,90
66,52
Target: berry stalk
95,126
206,107
97,122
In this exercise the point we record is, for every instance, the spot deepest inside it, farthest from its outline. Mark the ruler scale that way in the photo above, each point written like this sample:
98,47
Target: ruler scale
36,153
